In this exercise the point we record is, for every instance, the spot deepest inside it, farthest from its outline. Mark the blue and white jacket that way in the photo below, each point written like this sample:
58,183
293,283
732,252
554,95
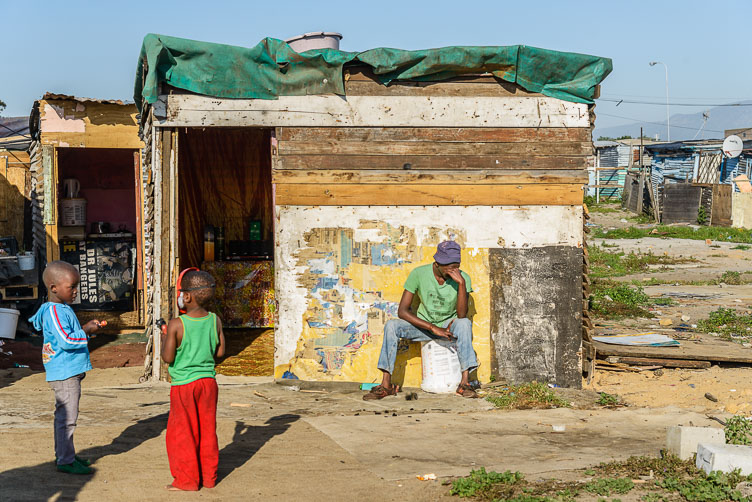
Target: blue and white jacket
66,346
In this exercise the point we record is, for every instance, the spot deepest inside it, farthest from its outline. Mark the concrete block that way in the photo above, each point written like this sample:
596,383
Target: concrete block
683,441
724,457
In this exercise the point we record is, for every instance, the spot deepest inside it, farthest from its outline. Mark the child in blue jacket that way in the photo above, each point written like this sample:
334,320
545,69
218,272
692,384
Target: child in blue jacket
65,355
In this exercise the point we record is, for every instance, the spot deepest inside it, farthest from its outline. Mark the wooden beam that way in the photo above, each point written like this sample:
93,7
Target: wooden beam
427,195
657,361
432,148
436,134
187,110
441,162
432,177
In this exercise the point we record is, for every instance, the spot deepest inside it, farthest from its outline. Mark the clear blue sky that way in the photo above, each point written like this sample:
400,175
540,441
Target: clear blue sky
90,49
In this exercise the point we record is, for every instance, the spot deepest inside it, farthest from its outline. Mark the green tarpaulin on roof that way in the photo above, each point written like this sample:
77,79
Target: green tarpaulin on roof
272,68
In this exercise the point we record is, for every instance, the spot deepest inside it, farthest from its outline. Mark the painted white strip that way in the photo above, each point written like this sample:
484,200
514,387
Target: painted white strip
484,227
59,329
183,110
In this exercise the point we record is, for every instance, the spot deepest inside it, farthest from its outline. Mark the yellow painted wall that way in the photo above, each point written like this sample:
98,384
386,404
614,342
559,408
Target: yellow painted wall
368,284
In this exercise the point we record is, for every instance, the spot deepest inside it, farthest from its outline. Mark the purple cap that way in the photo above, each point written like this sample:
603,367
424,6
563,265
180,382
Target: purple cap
448,252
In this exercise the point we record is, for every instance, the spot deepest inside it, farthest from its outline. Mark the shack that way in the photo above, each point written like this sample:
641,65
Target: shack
85,194
691,181
332,174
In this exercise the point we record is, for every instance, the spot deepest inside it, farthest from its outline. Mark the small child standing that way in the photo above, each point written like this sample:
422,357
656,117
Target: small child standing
193,341
65,355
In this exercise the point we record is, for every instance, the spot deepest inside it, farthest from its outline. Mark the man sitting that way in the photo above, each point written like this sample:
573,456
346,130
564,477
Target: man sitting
443,290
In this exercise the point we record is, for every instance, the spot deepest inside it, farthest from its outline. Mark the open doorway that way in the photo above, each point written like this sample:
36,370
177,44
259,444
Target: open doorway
226,209
97,232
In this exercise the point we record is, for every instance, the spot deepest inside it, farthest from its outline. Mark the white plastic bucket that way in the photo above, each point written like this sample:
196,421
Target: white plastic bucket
8,322
315,40
26,261
441,366
73,212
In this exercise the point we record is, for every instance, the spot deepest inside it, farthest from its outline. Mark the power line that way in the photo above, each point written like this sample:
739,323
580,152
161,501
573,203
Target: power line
634,102
620,95
654,123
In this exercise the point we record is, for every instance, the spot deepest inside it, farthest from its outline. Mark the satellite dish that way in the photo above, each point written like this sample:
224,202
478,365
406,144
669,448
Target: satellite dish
732,146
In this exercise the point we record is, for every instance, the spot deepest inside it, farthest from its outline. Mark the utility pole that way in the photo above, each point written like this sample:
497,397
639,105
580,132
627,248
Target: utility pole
668,114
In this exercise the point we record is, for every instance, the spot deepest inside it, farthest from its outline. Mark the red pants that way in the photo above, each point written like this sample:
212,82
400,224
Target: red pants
192,447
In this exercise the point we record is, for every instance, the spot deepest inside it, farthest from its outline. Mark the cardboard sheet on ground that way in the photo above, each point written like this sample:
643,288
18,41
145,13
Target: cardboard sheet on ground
638,339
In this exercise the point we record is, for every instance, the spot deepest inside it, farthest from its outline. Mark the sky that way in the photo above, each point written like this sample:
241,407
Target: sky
90,48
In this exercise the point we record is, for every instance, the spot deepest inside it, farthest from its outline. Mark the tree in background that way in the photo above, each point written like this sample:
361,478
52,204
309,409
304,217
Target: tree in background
2,105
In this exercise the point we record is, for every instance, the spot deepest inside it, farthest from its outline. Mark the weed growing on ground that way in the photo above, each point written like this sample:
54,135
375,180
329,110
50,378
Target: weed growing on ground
641,219
480,481
702,215
664,301
727,324
716,486
738,430
672,479
607,399
607,486
743,247
678,232
532,395
609,264
612,300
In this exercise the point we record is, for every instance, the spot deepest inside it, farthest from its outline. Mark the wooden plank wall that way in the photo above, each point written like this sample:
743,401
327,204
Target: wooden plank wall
431,165
680,203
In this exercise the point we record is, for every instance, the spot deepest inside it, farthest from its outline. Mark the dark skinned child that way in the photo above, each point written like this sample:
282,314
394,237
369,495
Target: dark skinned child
65,355
192,343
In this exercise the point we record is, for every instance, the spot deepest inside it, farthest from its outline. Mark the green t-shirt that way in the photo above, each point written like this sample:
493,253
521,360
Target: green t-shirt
438,303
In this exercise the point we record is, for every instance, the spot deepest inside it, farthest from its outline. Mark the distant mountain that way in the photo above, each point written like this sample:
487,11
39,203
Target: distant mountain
685,126
13,126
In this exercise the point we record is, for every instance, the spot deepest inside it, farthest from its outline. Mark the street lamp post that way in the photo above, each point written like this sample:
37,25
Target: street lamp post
668,114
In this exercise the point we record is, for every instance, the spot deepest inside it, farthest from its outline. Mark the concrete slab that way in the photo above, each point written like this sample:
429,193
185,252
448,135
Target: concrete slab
683,441
724,457
402,446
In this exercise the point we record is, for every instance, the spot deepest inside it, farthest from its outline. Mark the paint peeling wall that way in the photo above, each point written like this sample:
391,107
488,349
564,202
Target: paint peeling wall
340,272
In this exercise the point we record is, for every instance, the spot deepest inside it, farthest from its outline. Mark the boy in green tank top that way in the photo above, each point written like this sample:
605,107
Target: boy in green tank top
193,341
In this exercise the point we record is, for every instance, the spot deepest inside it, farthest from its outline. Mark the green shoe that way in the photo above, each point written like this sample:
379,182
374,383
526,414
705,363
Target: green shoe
75,468
80,460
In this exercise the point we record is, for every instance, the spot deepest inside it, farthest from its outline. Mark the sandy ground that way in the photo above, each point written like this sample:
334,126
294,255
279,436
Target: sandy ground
732,386
286,444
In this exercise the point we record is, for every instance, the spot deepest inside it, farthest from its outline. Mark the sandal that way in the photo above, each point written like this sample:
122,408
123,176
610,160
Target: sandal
380,392
465,390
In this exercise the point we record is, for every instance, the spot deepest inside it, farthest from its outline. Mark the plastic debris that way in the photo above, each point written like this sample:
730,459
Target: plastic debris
289,375
368,386
16,365
427,477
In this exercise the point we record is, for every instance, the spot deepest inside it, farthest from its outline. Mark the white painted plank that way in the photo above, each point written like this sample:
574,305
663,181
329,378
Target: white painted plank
184,110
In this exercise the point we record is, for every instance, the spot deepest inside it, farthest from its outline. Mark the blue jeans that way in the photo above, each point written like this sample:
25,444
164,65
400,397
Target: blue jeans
394,329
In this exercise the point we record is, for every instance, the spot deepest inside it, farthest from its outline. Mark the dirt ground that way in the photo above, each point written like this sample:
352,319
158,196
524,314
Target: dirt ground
316,442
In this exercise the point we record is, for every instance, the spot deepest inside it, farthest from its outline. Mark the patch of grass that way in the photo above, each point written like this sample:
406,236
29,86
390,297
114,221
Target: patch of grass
641,219
607,245
615,264
607,486
534,395
612,300
481,481
728,324
664,301
716,486
743,247
738,430
678,232
607,399
667,465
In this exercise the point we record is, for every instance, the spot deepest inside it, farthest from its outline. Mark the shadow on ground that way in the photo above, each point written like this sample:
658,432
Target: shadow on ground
43,482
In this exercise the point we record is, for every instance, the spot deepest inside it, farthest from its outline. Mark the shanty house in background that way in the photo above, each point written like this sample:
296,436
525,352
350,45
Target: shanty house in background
332,175
15,181
85,193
